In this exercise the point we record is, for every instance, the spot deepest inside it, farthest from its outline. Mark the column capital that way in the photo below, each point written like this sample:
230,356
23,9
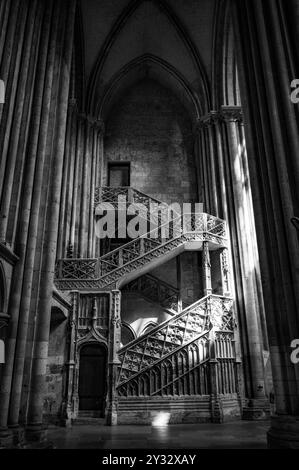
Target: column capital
205,121
92,121
225,113
231,114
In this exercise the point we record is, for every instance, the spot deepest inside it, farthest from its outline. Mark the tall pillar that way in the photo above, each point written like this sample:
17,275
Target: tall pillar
212,165
227,161
99,176
74,212
72,178
11,139
38,127
268,60
114,345
27,284
240,216
85,184
67,181
42,328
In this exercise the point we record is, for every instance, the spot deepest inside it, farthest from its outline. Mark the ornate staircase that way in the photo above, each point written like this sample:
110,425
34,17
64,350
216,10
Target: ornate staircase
170,343
188,364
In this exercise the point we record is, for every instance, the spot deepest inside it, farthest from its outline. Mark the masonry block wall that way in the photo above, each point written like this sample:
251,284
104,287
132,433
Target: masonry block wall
150,128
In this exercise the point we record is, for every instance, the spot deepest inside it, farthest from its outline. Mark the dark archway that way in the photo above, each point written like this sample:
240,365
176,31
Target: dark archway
92,378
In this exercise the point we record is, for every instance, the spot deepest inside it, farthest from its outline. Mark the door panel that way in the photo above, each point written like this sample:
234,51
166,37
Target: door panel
92,378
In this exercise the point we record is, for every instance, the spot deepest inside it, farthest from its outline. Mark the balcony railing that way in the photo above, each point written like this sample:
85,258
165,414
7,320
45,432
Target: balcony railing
110,267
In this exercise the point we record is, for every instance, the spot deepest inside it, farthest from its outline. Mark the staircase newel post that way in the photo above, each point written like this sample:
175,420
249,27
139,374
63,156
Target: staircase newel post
215,401
114,345
141,252
69,405
206,266
225,272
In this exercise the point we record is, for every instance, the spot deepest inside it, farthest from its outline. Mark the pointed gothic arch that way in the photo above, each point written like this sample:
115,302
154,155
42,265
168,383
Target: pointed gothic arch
162,71
114,33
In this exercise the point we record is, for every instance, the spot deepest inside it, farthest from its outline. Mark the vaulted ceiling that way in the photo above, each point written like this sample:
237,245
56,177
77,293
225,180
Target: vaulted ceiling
170,41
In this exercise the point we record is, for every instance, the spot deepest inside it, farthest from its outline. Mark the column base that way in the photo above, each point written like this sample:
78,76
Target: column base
216,410
111,416
36,437
256,409
6,438
284,432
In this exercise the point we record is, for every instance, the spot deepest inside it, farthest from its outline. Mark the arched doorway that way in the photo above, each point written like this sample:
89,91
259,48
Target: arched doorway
92,378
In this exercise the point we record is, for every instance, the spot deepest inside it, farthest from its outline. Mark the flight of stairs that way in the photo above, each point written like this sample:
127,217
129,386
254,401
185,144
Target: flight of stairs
139,256
187,363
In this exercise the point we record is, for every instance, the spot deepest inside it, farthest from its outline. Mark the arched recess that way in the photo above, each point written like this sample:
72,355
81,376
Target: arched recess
180,31
149,66
148,328
127,334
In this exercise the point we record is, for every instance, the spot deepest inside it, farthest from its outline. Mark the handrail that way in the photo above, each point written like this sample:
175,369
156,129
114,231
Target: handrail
176,379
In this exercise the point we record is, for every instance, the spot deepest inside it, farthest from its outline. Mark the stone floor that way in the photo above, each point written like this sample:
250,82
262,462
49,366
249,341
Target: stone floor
236,435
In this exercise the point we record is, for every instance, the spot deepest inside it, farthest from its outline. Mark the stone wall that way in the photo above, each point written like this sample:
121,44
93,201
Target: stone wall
151,129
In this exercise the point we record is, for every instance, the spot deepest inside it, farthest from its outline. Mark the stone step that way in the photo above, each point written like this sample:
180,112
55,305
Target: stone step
88,420
89,417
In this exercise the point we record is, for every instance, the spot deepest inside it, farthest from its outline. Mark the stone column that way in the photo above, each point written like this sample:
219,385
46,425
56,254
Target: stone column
96,169
73,242
72,179
212,164
37,128
26,296
11,137
12,37
114,345
85,184
246,284
268,60
66,181
202,163
99,175
40,353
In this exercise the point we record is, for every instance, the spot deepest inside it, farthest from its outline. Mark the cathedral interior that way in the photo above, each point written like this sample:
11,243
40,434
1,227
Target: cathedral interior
155,103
